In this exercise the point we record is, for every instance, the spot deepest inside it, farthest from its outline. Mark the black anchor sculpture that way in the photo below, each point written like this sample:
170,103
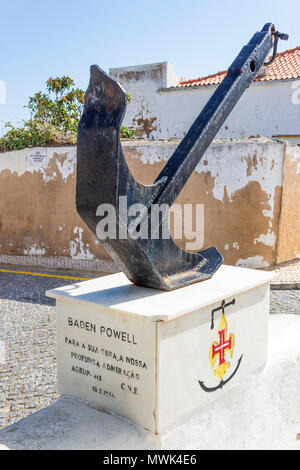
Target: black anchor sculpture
103,175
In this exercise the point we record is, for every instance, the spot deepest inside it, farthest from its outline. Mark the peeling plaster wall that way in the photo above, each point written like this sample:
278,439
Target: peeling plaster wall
37,207
289,230
156,111
240,184
142,82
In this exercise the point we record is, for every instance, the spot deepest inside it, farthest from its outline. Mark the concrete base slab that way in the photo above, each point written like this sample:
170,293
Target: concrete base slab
261,413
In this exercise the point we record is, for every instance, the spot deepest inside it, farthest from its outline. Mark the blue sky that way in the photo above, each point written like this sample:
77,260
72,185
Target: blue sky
42,39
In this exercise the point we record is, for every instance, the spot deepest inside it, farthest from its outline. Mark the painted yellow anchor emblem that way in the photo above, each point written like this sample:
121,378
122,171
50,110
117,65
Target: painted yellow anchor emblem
220,349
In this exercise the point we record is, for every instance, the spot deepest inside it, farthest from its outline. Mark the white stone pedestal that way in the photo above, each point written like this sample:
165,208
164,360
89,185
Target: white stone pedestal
155,356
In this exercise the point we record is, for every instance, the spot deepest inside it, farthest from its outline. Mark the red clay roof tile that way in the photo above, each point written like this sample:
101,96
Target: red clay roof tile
285,66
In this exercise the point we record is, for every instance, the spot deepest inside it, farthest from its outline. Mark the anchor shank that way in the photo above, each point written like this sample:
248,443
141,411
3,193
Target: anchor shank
191,149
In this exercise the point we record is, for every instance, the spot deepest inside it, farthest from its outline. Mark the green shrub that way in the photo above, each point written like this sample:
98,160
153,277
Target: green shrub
54,118
34,134
127,133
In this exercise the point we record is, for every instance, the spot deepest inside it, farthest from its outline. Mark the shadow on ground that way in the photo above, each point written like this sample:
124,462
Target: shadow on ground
69,423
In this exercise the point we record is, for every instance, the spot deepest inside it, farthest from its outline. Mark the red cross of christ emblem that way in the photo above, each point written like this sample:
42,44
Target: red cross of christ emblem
222,346
219,350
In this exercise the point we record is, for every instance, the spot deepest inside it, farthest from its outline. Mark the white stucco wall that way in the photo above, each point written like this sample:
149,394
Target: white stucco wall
158,111
143,83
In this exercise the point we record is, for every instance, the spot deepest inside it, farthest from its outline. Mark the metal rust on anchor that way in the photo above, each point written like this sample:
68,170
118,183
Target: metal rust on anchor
103,176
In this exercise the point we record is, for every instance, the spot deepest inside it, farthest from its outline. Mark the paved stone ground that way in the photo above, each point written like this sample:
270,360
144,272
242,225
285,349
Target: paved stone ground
285,301
60,263
27,330
27,318
287,275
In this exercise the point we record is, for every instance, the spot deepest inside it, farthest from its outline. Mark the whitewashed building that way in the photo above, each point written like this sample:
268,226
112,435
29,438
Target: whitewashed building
163,106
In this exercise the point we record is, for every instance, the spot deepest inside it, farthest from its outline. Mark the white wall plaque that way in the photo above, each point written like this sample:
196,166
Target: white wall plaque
37,157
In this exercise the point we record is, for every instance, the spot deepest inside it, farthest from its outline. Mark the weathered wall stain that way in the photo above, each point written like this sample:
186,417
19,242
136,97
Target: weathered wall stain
235,222
142,84
38,214
289,230
139,74
145,126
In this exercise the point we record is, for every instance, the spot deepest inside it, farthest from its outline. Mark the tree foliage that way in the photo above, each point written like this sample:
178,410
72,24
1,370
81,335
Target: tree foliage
54,117
60,107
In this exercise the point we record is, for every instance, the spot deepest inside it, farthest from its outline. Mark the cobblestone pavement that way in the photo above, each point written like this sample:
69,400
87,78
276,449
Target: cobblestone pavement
287,275
27,329
285,301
